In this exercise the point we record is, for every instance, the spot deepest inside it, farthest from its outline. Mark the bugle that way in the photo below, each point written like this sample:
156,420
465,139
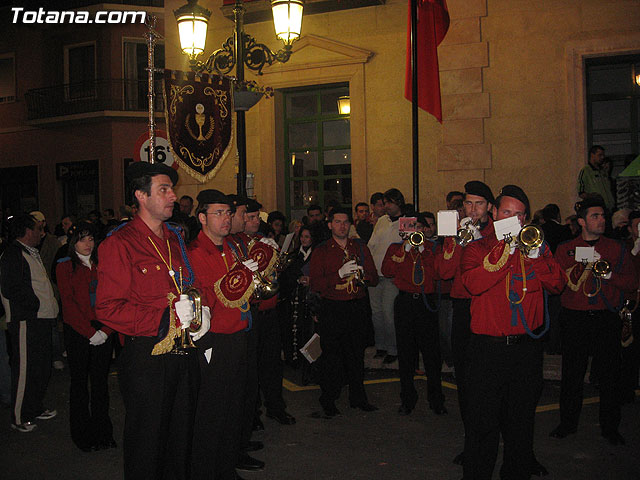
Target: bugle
529,238
465,233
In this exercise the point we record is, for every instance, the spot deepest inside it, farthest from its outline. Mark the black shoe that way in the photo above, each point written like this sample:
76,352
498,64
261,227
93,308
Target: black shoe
365,407
537,468
282,417
614,437
440,410
389,359
459,460
404,410
561,431
88,448
330,411
253,446
257,424
380,354
249,464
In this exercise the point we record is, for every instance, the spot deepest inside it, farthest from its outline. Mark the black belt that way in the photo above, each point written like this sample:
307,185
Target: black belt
507,339
415,296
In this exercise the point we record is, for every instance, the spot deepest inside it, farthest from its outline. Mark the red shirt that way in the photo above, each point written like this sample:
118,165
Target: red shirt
133,280
325,262
623,277
209,266
76,289
412,271
447,262
491,311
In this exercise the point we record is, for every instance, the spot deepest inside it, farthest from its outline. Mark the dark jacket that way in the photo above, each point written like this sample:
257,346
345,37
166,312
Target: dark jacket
15,284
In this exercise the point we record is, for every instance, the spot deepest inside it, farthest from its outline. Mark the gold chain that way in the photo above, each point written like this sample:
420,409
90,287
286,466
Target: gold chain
172,273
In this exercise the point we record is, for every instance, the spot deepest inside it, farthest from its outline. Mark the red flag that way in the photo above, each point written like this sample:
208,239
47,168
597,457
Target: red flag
433,23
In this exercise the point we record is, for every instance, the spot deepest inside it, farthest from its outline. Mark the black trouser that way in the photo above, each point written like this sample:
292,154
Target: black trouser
584,333
631,362
417,331
460,336
218,426
159,394
270,360
30,367
342,338
504,382
88,410
250,395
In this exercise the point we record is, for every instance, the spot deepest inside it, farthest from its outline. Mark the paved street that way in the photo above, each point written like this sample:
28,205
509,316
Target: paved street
379,445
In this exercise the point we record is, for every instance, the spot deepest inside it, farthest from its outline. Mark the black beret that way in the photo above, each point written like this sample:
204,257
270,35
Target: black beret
253,206
592,200
214,196
516,192
238,200
140,169
475,187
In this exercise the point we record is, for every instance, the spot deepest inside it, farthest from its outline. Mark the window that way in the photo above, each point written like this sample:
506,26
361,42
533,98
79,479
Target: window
613,108
80,71
317,149
7,78
136,87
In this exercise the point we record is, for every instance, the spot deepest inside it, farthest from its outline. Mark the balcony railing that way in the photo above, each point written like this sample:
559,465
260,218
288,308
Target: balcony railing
100,95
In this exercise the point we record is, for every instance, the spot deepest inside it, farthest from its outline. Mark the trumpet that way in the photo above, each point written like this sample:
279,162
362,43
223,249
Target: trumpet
359,274
184,341
601,268
265,288
529,238
415,239
465,233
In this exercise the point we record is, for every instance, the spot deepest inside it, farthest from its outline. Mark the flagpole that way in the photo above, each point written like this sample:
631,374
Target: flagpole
414,101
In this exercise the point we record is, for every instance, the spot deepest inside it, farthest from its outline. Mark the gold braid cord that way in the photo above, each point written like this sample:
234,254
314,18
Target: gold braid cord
449,255
166,344
576,286
349,284
494,267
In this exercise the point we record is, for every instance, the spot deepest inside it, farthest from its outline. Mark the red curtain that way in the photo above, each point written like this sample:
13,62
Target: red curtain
433,23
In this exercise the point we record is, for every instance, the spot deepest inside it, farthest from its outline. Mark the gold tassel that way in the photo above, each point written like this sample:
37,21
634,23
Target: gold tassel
166,344
490,267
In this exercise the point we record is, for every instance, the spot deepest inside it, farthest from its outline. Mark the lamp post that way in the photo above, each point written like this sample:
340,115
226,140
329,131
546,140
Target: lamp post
238,51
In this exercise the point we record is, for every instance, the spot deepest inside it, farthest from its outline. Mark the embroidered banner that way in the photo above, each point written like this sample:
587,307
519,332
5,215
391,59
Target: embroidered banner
199,115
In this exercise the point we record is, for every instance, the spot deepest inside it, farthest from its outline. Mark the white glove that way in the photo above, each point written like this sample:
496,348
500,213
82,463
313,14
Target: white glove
636,246
407,246
271,242
347,269
596,256
421,248
205,326
251,264
607,276
467,223
184,310
98,338
534,252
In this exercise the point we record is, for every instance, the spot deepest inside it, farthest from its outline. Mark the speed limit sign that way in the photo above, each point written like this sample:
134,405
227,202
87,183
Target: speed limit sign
163,152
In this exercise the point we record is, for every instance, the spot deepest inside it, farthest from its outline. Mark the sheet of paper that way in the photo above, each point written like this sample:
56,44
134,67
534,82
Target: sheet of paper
448,223
287,242
207,354
312,349
507,227
407,224
585,254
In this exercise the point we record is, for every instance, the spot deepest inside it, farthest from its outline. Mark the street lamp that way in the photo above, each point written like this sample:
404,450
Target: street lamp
238,51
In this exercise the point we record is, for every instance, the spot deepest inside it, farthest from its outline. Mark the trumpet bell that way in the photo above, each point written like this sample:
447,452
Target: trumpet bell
530,237
601,268
416,239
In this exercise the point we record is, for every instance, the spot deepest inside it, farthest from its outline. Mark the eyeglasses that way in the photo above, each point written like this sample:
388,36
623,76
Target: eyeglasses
220,213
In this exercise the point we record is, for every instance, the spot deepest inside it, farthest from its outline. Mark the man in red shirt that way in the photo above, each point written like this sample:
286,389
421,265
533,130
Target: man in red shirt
226,286
334,268
144,266
504,374
478,202
416,317
590,324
